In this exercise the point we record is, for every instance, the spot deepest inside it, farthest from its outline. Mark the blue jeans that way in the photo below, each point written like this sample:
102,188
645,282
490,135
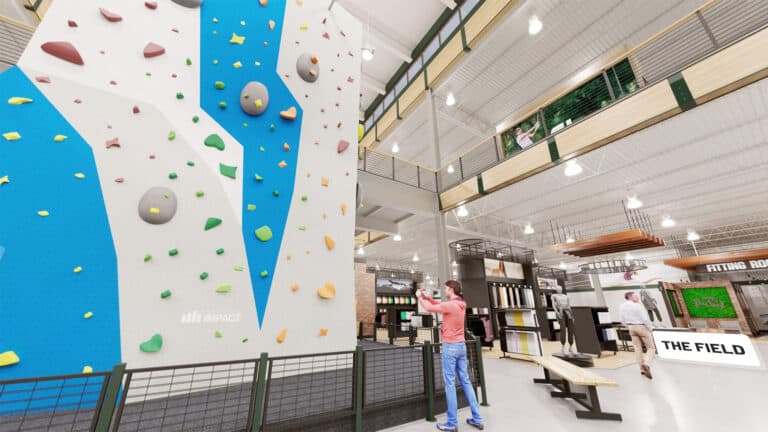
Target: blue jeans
455,361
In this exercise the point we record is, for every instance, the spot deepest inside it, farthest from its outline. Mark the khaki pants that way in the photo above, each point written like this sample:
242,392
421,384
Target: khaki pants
641,333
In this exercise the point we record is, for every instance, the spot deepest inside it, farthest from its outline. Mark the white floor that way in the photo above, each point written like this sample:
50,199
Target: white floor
681,397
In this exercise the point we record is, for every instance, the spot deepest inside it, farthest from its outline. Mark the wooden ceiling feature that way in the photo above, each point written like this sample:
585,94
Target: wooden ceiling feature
623,241
690,263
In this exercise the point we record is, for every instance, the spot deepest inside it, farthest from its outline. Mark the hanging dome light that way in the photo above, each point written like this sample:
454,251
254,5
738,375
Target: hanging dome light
563,266
360,251
368,54
668,222
397,237
570,239
693,235
528,229
534,25
450,169
416,257
572,168
454,264
634,203
395,147
450,100
462,212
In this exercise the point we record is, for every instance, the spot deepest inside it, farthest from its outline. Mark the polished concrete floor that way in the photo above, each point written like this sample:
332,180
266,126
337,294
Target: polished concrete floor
681,397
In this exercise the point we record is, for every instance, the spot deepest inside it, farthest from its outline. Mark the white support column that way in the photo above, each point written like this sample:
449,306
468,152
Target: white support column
594,280
443,254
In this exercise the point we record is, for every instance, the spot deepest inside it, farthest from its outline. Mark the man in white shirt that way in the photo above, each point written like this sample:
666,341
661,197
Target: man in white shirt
634,316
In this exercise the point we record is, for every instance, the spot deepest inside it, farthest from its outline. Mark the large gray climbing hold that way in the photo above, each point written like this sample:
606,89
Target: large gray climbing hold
189,3
158,205
308,68
254,98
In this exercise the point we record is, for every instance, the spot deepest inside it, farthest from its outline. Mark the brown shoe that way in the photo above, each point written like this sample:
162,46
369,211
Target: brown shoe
646,371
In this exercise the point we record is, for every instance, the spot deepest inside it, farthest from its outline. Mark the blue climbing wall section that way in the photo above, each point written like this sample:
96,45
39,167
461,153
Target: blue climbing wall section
264,136
42,298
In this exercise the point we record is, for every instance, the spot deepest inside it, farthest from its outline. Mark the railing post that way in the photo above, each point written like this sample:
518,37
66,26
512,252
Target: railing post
108,404
429,380
418,176
359,388
257,404
481,371
436,336
461,169
360,330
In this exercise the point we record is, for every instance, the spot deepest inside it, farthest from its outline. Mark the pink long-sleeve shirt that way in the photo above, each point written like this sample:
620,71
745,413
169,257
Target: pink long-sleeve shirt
453,317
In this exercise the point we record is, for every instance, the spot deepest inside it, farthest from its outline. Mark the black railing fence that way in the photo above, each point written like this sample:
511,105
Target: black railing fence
351,390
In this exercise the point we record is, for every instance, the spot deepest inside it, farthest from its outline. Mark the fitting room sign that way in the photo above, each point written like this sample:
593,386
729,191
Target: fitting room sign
758,264
709,348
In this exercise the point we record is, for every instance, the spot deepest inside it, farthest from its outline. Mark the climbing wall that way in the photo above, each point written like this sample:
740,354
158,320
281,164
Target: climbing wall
177,184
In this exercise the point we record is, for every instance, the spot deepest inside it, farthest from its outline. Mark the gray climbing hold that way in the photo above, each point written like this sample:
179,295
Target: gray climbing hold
189,3
308,68
254,98
158,205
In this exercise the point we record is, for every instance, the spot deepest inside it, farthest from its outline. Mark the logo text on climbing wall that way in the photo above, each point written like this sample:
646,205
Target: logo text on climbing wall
196,317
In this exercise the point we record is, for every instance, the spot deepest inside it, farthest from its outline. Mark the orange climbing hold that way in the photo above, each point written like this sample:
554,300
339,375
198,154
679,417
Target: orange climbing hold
328,291
289,114
330,243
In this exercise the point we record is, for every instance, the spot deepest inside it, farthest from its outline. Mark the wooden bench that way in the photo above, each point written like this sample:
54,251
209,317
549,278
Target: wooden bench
569,374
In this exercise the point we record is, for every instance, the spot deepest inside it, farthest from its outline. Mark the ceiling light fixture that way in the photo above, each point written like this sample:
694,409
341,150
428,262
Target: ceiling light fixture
534,25
378,267
360,251
667,222
416,257
570,239
450,100
413,271
455,273
693,235
397,237
634,203
454,263
462,212
367,54
628,256
395,147
450,169
563,266
528,229
572,168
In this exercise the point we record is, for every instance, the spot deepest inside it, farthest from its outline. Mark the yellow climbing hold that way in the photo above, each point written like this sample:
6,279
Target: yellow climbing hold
323,332
8,358
237,39
16,100
281,336
11,136
295,287
242,23
79,176
237,65
263,2
88,315
286,147
258,103
154,210
59,138
360,132
43,213
324,181
4,180
303,26
87,369
329,243
343,209
78,269
328,291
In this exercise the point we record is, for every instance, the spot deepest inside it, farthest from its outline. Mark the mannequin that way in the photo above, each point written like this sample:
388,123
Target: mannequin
650,305
565,316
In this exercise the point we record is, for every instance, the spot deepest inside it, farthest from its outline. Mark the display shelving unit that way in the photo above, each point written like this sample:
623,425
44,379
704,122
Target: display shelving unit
593,335
548,316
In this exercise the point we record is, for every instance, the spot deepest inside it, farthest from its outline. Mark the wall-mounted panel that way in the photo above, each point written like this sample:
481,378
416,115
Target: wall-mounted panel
387,122
411,96
483,17
451,52
457,194
521,164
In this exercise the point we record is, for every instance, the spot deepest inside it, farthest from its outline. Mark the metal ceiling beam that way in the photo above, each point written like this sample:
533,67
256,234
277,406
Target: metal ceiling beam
372,83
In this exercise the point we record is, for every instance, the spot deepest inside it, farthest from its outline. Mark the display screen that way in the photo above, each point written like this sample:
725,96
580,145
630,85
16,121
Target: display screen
395,286
494,268
708,302
513,270
403,316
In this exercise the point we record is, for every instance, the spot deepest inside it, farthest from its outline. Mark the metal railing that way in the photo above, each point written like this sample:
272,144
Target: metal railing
397,334
390,167
307,392
707,30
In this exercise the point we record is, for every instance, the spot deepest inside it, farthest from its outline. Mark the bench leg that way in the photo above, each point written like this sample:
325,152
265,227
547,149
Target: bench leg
566,391
547,379
595,412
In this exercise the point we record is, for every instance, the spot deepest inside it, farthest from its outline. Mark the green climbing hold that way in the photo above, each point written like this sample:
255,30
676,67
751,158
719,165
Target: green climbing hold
238,268
165,294
152,345
258,178
217,334
203,276
199,194
212,222
264,233
251,207
276,193
215,141
179,95
173,252
264,273
228,171
302,227
171,136
304,198
147,258
245,125
190,163
189,61
173,176
219,85
195,119
219,251
223,105
262,149
224,288
244,340
272,128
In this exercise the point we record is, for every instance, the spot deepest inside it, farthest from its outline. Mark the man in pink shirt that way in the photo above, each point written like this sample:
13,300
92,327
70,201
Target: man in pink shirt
454,354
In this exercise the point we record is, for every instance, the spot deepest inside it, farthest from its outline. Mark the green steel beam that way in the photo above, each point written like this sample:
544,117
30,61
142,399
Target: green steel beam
481,371
681,91
257,404
554,154
108,404
429,380
359,386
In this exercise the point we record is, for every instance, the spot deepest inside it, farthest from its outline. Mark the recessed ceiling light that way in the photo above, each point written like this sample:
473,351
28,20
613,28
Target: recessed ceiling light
395,147
360,251
534,25
668,222
462,212
693,235
450,169
634,203
367,54
528,229
572,168
415,257
450,100
397,237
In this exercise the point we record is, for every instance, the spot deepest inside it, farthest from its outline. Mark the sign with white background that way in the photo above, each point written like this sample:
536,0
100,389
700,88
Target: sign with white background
708,348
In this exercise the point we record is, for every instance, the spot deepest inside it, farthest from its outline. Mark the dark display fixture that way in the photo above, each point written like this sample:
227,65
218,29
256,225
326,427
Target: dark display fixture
396,301
593,334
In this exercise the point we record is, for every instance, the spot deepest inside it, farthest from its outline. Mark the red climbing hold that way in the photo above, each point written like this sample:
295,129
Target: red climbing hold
150,4
71,23
43,79
343,145
63,50
110,16
153,50
114,142
136,109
